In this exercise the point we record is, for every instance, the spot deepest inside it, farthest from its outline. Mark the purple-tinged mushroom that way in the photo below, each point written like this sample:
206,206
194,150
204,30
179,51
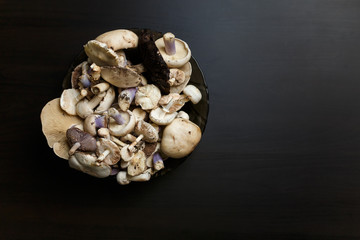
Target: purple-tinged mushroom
94,122
80,140
126,97
158,162
169,40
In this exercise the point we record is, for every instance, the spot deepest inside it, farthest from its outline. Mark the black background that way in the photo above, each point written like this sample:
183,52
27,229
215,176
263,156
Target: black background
280,156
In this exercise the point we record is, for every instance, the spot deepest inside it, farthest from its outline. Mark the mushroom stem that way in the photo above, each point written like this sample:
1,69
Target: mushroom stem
168,106
169,40
103,155
158,162
117,141
126,97
101,87
83,93
74,148
114,113
138,139
96,100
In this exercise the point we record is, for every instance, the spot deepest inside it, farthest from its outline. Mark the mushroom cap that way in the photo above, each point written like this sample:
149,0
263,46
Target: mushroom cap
122,179
68,100
182,55
120,76
107,101
88,142
120,130
119,39
55,122
137,164
149,132
104,144
160,117
193,93
87,163
147,96
187,69
102,55
180,138
126,155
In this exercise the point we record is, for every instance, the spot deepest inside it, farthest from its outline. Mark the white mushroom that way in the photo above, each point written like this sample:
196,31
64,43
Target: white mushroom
123,178
94,122
119,39
107,101
121,123
126,154
137,164
150,134
178,52
105,133
100,87
193,93
173,102
161,117
187,69
177,77
107,151
87,163
180,138
68,100
55,122
139,114
102,55
183,115
85,107
147,96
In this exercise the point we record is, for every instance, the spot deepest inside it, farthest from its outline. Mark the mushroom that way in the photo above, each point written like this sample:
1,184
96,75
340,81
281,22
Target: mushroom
121,123
183,115
68,100
126,97
174,51
107,101
87,163
80,140
137,164
139,114
104,133
54,123
119,39
84,79
193,93
180,138
102,55
177,77
150,134
149,150
123,178
147,96
120,76
94,122
161,117
173,102
157,161
94,72
100,87
85,107
107,151
187,69
126,154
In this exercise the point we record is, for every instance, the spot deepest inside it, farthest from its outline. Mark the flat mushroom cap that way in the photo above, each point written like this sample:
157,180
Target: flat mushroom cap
87,163
120,76
182,55
160,117
119,39
69,99
101,55
180,138
55,122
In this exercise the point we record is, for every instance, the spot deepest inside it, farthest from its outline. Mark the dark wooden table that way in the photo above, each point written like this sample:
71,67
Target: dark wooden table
280,157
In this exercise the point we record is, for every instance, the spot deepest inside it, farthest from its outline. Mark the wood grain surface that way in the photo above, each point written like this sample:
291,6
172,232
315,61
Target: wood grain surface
279,159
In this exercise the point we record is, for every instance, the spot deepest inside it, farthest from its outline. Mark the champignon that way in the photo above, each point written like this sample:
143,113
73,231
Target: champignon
120,76
173,102
119,39
87,163
193,93
183,115
68,100
174,51
80,140
147,96
55,123
139,114
177,77
102,55
121,123
94,122
161,117
107,151
180,138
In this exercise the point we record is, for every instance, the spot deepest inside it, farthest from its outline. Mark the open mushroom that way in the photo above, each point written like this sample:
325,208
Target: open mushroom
121,123
55,122
161,117
147,96
86,107
68,100
102,55
126,97
187,69
180,138
137,164
174,51
87,163
119,39
107,151
94,122
145,129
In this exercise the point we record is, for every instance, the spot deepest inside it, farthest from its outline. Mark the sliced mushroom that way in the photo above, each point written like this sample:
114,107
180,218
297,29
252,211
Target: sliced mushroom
180,138
68,100
55,123
161,117
94,122
120,76
88,163
147,96
107,151
102,55
119,39
86,107
174,51
121,123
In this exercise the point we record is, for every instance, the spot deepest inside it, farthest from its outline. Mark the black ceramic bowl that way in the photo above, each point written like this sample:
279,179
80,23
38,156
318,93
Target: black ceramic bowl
198,112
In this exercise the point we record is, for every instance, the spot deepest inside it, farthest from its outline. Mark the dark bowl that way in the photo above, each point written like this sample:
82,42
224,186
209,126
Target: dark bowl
198,112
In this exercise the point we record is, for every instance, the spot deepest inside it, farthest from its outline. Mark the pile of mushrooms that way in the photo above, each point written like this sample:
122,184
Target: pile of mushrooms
123,119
